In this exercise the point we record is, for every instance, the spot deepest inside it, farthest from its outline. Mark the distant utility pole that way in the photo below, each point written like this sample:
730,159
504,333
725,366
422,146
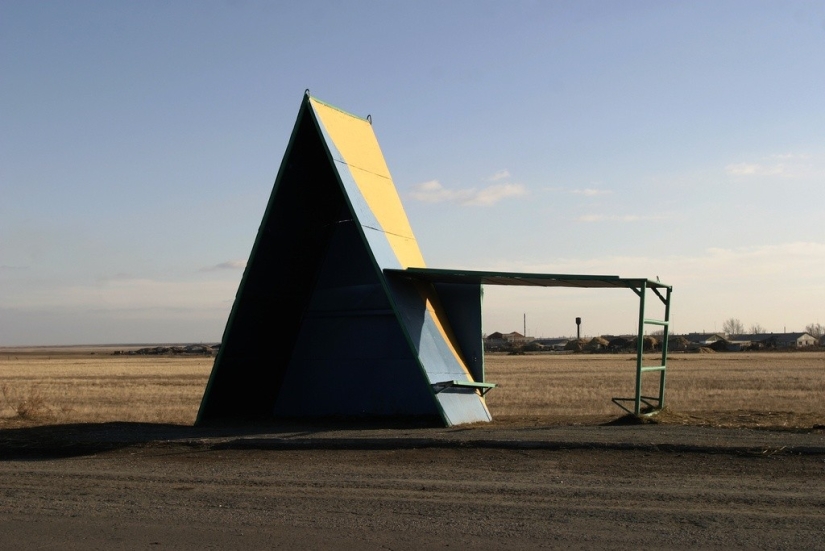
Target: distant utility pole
525,324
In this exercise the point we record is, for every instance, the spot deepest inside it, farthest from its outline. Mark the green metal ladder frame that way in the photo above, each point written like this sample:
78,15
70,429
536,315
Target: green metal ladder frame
655,403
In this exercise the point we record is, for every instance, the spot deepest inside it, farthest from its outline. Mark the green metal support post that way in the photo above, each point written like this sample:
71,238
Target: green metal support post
665,345
656,402
640,349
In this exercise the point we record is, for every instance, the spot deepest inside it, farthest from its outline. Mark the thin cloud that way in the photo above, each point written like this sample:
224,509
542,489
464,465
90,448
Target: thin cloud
615,218
228,265
591,192
587,192
789,156
119,276
433,192
500,175
783,165
493,194
754,169
128,294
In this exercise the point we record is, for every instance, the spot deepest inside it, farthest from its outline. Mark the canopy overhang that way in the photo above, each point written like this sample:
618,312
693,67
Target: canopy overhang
439,275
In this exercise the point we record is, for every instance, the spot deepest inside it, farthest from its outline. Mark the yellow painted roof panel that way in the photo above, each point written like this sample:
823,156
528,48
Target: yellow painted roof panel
357,144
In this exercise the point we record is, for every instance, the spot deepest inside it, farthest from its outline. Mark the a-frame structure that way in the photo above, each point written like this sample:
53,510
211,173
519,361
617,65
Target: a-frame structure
317,328
337,315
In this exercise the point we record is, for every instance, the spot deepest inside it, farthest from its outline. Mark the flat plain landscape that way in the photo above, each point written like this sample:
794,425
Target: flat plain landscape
97,452
765,389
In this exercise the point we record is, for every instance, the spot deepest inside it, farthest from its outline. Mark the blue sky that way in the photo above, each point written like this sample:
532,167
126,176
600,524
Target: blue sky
140,141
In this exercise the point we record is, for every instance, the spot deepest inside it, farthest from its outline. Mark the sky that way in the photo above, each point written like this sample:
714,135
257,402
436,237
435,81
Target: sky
139,142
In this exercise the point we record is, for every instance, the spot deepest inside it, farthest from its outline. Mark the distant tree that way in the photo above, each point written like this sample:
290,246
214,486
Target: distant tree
815,329
757,329
733,326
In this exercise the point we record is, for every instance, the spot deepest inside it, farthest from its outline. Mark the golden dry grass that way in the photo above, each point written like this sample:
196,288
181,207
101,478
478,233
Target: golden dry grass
737,389
72,388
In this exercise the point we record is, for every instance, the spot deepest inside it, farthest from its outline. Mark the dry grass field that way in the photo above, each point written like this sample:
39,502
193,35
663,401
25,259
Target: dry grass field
767,390
89,385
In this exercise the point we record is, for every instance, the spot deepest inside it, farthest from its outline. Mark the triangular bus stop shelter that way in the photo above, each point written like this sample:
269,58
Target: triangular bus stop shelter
337,314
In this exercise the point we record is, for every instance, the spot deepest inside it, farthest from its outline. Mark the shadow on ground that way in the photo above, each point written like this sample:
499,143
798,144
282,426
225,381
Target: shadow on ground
77,439
665,432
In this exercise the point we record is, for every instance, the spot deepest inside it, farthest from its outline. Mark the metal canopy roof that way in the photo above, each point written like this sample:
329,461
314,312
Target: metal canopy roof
436,275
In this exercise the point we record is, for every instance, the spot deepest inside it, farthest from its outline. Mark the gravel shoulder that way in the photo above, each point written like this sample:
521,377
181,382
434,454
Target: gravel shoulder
137,486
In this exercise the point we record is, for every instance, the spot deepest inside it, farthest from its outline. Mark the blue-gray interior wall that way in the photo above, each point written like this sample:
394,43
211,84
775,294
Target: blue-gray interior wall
462,304
457,405
433,350
351,357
